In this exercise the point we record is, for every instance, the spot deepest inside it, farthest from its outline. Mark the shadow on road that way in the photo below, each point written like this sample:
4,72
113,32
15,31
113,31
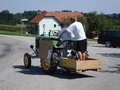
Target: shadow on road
36,70
6,51
116,55
117,69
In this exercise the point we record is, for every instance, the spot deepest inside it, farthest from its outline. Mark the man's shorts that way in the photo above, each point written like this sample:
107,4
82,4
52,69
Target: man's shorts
81,45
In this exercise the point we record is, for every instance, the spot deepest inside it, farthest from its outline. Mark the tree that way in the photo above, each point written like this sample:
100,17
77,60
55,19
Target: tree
17,18
6,17
83,20
98,22
29,14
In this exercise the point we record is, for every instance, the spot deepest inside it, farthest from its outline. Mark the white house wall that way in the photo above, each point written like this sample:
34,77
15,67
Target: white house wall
47,24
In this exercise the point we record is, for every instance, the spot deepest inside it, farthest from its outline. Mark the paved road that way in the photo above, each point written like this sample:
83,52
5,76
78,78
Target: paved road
11,49
13,75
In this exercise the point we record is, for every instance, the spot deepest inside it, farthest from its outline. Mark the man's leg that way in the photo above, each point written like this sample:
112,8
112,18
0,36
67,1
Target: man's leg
80,56
83,56
84,48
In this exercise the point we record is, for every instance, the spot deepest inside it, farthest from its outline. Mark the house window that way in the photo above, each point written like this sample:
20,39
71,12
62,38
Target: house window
55,25
44,26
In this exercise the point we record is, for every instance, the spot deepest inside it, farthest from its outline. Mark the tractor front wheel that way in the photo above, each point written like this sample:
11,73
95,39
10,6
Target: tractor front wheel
27,60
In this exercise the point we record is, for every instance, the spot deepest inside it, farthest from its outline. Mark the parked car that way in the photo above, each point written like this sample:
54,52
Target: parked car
109,38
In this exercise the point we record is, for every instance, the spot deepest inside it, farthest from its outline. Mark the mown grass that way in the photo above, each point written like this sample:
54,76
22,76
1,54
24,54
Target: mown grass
13,33
13,30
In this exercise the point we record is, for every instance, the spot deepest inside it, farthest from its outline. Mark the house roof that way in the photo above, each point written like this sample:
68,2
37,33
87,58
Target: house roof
38,17
58,15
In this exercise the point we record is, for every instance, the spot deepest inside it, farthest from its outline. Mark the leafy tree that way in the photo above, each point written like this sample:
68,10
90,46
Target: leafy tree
6,17
83,20
29,14
98,22
17,18
104,23
115,18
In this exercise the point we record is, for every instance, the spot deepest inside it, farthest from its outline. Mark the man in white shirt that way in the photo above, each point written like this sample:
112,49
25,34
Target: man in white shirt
76,29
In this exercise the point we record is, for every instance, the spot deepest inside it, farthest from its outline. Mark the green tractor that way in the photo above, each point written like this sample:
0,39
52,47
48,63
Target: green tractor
64,56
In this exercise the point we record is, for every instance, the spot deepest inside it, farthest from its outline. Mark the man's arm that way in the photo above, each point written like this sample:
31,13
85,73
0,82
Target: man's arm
62,33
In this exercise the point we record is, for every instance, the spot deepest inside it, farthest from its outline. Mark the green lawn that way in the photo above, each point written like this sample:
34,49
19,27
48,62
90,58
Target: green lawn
13,30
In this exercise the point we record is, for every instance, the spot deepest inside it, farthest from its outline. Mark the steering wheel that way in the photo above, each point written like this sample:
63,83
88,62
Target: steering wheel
55,32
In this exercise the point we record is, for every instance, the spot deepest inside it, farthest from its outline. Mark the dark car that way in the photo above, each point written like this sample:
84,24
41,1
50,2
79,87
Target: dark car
109,38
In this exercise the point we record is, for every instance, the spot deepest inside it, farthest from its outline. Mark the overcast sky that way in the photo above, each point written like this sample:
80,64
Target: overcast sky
104,6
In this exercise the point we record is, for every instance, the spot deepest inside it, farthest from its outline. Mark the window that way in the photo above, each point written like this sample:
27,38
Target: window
116,34
55,25
43,25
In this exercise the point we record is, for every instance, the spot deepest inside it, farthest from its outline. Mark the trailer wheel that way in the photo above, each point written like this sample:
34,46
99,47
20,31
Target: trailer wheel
49,66
27,60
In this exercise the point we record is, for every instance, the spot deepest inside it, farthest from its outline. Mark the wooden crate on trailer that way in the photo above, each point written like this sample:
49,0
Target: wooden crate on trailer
77,65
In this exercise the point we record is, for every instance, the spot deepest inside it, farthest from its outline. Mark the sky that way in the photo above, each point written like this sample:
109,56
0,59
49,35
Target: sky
85,6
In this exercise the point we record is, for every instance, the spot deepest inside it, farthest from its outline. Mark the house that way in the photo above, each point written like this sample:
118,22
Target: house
44,22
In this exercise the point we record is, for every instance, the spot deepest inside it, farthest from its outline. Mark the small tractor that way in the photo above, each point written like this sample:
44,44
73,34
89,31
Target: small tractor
64,56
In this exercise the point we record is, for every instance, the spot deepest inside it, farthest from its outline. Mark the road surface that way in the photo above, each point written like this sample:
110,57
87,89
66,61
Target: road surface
13,75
